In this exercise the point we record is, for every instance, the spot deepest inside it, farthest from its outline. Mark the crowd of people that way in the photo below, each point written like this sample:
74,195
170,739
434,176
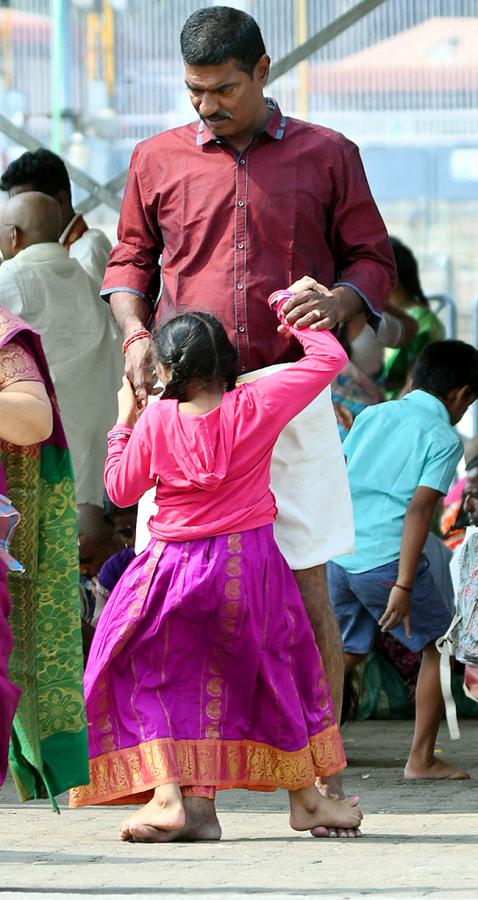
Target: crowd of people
284,441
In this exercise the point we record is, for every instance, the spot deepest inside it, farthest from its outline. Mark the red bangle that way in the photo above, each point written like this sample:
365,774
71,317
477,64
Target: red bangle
138,335
403,588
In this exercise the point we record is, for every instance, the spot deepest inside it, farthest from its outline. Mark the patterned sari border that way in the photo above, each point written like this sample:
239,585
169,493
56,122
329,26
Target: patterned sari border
225,764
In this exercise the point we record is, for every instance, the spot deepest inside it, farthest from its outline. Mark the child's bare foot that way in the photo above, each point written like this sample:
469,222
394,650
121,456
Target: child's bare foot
201,824
434,768
311,810
165,811
331,787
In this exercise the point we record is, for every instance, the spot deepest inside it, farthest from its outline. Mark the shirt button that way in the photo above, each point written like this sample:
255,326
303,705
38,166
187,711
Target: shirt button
243,369
240,246
239,286
243,162
240,203
242,329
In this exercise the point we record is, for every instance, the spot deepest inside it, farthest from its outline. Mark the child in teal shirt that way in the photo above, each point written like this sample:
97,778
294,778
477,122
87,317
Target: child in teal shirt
401,458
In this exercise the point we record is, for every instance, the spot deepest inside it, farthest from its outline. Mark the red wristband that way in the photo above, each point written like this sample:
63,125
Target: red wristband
138,335
402,587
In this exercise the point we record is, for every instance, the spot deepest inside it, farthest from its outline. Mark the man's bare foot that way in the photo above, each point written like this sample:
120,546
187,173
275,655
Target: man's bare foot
201,824
331,787
164,811
435,768
311,810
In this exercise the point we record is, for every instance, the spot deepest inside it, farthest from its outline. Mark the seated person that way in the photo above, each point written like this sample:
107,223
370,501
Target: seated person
401,458
124,520
97,541
409,296
462,508
361,382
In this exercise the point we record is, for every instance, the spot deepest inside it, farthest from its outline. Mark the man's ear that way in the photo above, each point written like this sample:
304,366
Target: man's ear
465,394
16,237
261,69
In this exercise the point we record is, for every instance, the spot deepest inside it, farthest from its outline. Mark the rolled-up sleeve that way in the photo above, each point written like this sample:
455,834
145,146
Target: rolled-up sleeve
358,238
134,262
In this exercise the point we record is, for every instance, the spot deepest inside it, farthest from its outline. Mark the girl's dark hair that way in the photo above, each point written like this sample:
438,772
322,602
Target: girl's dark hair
215,34
407,270
195,347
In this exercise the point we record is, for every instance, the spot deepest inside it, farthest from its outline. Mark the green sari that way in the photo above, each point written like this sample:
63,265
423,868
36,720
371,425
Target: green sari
48,749
398,361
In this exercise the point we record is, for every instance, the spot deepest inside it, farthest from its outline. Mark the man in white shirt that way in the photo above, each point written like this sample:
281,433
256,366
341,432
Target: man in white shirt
44,171
40,282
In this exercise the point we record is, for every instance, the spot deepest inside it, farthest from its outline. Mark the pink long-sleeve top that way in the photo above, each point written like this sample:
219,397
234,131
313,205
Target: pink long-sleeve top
212,471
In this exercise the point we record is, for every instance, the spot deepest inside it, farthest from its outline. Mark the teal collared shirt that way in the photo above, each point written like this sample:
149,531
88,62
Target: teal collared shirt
392,449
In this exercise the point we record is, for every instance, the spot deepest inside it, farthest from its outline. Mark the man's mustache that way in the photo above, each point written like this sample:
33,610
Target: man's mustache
216,118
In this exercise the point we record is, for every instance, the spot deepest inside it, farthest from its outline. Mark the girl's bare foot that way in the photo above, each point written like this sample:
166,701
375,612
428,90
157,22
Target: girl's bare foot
433,768
201,825
165,811
311,810
331,787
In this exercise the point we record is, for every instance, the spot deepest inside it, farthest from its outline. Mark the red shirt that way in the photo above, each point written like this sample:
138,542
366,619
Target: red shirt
232,228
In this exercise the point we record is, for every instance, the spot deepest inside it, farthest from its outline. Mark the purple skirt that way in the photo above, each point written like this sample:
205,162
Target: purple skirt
204,671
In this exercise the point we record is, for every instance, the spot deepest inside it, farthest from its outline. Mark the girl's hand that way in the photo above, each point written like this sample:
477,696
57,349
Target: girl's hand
127,406
398,610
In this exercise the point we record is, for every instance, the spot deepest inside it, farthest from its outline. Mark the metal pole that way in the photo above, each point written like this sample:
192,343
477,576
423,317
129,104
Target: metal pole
324,36
301,31
57,66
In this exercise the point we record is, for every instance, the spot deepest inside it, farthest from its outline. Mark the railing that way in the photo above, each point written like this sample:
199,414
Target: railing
444,306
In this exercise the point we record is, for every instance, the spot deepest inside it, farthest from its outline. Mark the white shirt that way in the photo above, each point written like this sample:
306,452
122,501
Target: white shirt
92,250
53,293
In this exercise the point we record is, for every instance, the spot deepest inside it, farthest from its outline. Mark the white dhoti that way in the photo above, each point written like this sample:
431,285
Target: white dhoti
309,480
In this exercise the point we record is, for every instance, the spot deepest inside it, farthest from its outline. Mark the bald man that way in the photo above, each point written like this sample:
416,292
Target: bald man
53,293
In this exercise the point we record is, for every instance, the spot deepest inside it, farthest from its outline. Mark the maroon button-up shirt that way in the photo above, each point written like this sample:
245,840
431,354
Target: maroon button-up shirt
231,228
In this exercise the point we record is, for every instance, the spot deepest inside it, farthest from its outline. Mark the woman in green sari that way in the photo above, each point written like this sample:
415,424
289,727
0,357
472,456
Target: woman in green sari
48,749
409,295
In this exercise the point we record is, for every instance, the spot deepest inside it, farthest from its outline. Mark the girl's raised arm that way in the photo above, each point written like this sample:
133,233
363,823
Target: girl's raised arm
286,392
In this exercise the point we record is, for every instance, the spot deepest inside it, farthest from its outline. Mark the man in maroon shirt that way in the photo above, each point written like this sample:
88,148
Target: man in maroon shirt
236,205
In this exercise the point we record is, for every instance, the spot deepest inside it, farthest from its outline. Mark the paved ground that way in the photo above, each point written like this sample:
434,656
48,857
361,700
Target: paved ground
420,841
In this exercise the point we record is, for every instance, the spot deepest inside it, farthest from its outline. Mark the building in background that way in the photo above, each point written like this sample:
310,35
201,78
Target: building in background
402,82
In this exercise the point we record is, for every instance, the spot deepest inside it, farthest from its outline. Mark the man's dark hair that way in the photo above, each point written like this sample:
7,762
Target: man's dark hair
43,170
213,35
444,366
195,347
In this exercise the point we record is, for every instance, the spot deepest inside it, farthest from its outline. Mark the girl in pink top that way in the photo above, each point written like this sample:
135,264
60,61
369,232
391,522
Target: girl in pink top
204,672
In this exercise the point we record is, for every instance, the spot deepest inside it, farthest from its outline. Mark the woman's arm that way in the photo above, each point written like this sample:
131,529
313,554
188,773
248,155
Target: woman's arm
26,416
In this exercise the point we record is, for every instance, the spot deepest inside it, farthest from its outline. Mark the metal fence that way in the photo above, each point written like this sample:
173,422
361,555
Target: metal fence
407,69
92,77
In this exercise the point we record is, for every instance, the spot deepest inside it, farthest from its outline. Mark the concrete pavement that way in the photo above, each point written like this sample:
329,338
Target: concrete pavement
420,840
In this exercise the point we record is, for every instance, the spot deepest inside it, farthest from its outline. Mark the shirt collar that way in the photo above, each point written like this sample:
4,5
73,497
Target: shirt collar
74,230
275,127
49,250
429,402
